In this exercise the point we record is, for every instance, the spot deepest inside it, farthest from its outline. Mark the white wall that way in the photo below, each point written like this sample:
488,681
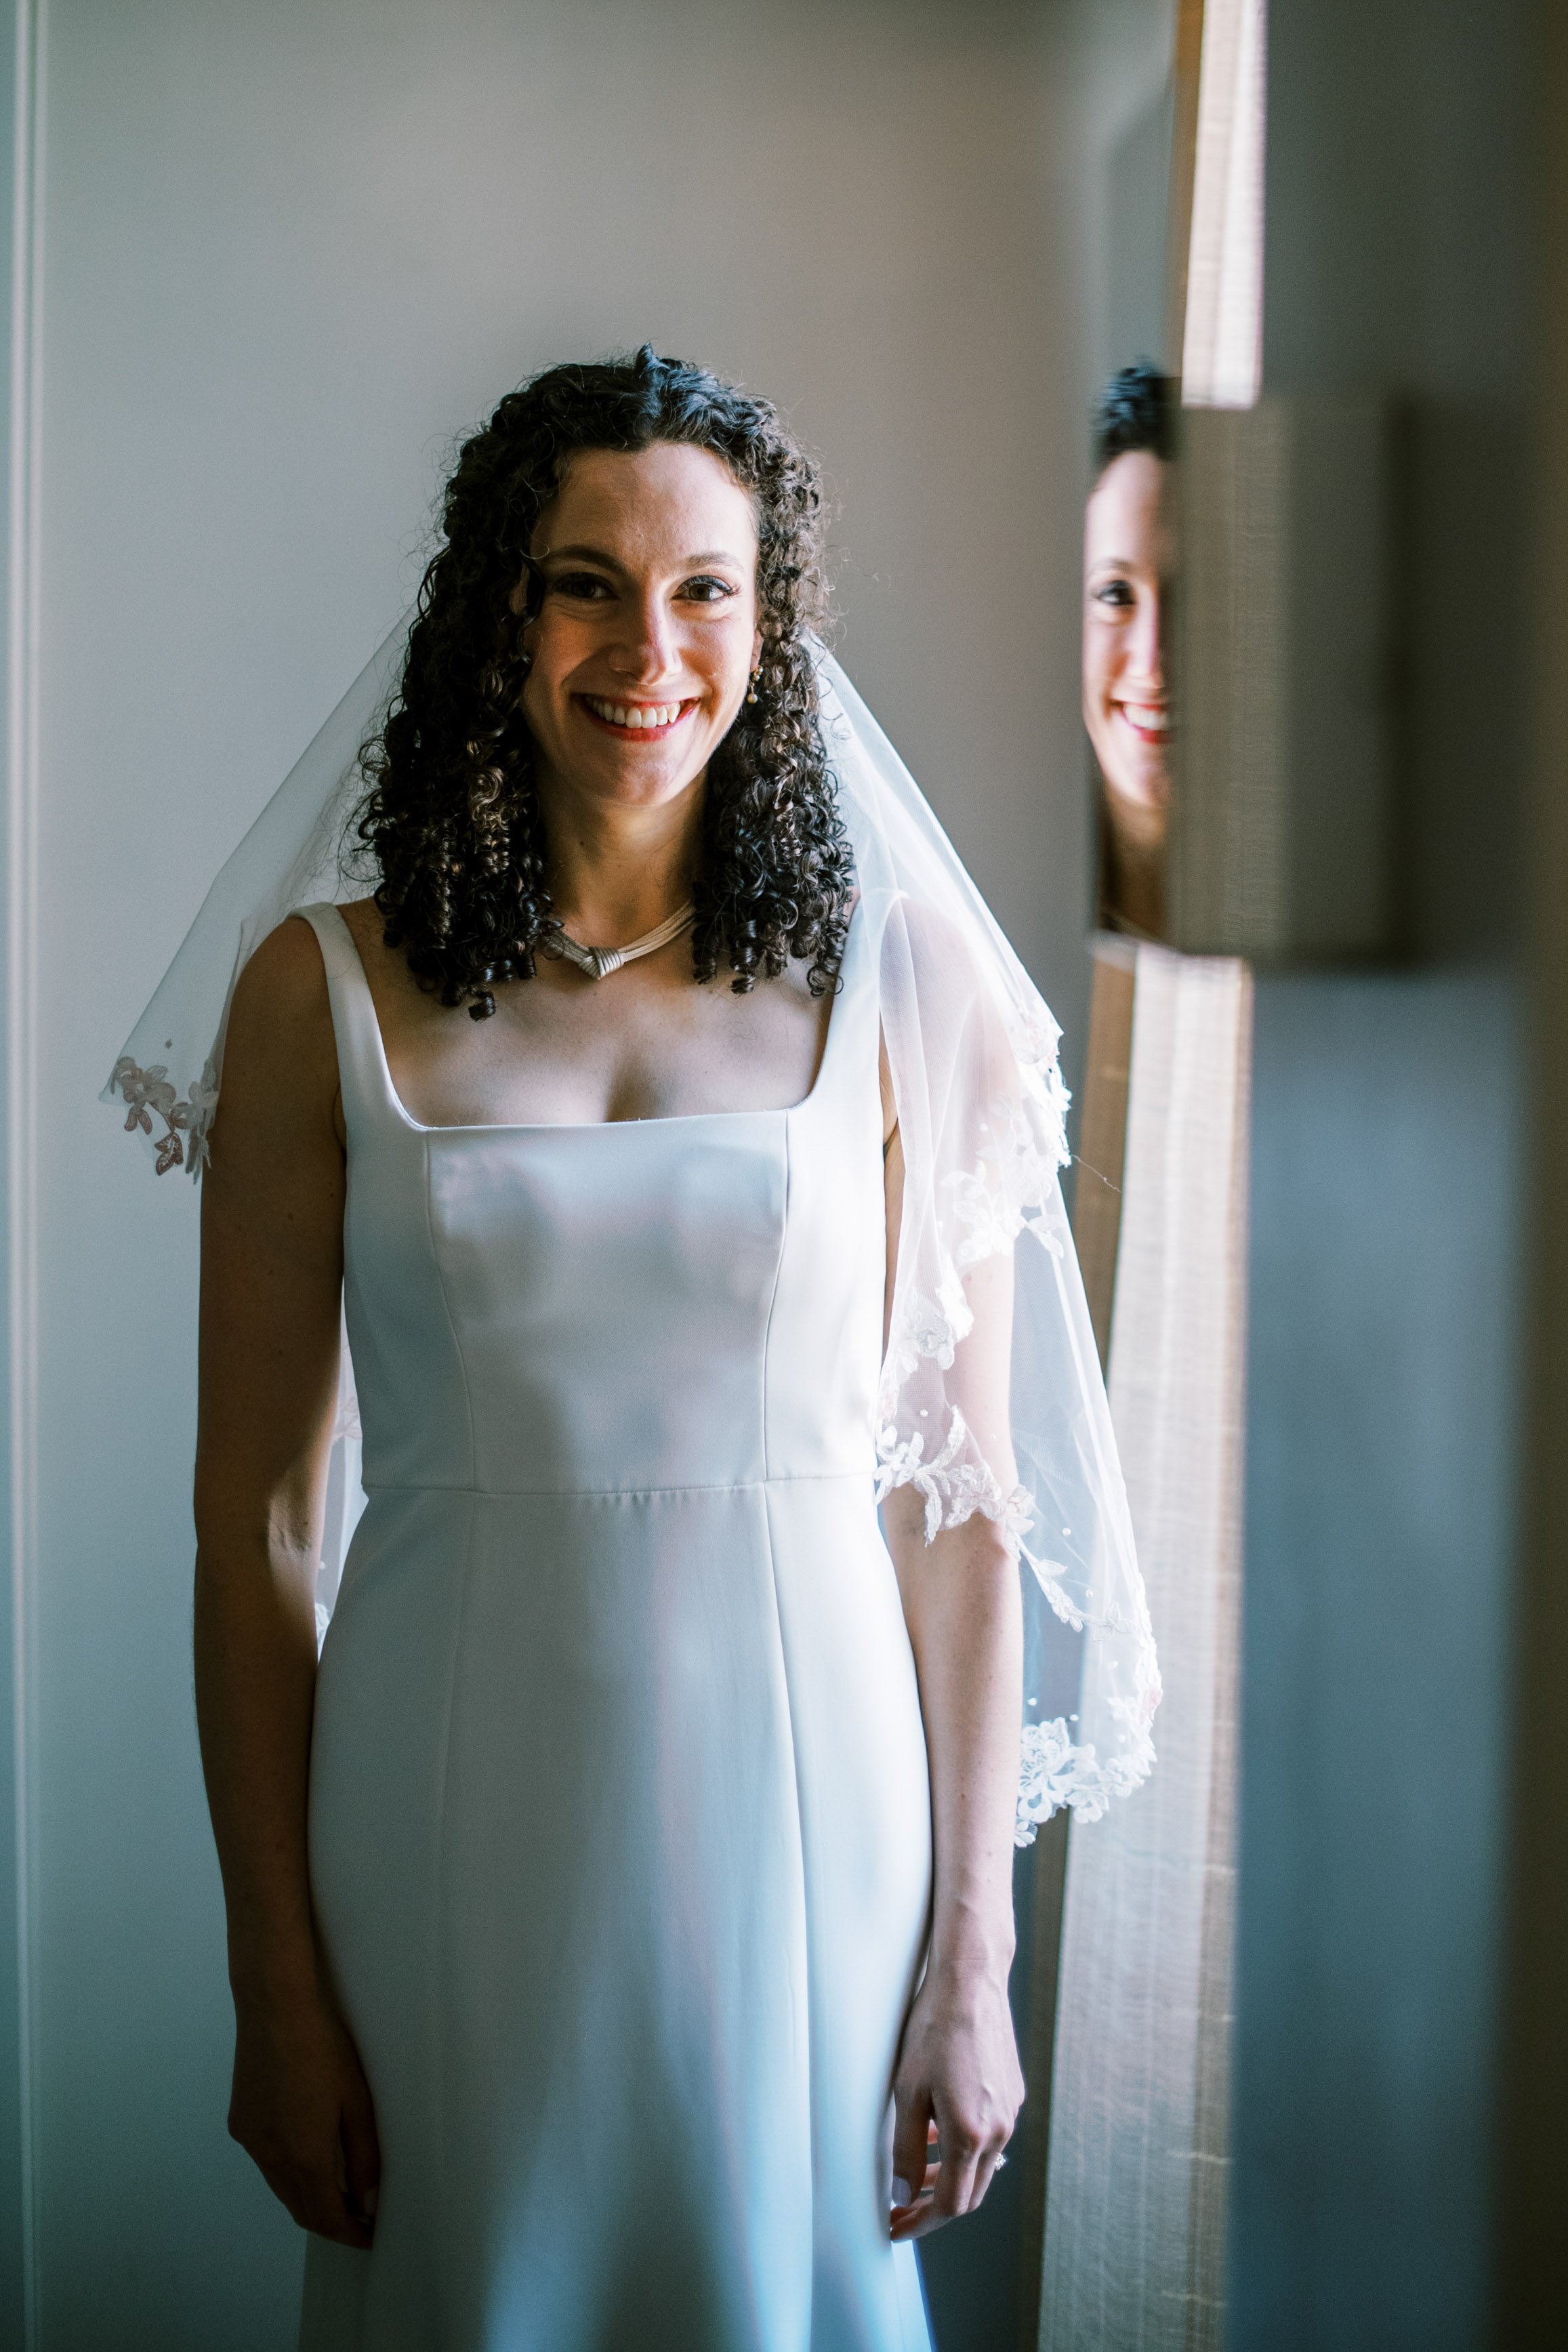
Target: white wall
288,251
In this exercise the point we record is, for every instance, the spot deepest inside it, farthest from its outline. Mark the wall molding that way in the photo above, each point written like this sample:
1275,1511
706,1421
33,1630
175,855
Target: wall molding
22,581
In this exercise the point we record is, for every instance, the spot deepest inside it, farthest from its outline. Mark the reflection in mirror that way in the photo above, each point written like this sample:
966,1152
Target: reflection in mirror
1129,559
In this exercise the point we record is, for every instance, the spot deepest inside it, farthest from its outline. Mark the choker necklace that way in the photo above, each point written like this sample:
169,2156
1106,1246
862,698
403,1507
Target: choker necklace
598,961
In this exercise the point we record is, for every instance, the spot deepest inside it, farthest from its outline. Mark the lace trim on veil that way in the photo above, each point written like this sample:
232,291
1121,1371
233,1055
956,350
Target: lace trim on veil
151,1094
982,1209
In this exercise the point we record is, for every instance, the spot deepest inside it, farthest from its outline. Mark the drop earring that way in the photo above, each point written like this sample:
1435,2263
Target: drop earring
752,689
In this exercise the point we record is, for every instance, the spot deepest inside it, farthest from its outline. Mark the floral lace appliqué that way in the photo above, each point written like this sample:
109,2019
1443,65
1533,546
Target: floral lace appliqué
1054,1773
991,1202
1046,1775
150,1095
956,1483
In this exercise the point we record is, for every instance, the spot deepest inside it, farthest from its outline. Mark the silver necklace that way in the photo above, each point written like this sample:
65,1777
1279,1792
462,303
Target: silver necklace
598,961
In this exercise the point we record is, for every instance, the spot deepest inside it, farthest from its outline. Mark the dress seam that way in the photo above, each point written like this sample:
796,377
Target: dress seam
772,1299
474,1488
808,1989
440,1911
606,1494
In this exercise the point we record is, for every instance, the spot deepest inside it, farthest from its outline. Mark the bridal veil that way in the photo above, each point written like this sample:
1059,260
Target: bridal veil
990,1396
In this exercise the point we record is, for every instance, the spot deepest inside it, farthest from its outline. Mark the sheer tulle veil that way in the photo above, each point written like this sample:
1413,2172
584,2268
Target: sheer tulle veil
991,1395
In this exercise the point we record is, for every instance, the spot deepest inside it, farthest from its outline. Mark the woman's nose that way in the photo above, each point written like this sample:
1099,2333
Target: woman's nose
646,649
1146,641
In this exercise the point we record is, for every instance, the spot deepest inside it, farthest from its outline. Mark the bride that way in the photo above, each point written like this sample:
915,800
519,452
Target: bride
668,1122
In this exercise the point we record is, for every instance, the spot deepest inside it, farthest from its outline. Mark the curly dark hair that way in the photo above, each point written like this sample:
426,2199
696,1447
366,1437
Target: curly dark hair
1135,410
451,818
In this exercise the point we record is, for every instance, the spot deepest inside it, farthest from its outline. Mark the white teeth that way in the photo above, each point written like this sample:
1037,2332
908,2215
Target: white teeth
1152,720
635,714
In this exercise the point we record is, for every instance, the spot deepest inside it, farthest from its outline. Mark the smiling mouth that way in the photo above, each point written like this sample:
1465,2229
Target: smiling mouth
1149,720
638,722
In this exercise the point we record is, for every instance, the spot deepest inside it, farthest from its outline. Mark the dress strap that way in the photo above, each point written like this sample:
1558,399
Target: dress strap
363,1078
848,1073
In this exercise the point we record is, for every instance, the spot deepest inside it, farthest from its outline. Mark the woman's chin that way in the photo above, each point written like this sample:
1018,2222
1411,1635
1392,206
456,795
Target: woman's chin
637,775
1140,809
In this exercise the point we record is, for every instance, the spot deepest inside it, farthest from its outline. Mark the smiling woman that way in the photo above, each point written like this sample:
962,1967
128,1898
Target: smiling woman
1129,560
652,1792
541,581
633,774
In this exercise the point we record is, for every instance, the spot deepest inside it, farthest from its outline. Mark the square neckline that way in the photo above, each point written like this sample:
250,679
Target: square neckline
586,1126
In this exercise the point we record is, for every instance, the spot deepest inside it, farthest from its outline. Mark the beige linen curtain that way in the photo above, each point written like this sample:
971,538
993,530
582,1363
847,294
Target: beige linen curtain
1134,2224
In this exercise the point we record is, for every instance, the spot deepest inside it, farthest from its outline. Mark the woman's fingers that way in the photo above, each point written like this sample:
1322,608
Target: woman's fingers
954,2180
283,2187
329,2214
919,2219
337,2199
362,2153
915,2133
911,2200
954,2184
315,2200
912,2221
316,2193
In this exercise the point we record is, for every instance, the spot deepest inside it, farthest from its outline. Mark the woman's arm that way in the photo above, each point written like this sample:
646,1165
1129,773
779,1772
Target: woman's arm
272,1211
958,2064
958,2075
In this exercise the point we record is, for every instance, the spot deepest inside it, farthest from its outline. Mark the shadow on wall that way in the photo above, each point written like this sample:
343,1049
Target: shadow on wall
1386,1164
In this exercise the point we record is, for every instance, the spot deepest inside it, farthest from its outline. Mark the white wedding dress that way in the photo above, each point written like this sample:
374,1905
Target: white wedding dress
619,1811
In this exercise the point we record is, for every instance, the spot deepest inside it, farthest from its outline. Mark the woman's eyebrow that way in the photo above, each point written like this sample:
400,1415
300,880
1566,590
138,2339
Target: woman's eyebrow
583,554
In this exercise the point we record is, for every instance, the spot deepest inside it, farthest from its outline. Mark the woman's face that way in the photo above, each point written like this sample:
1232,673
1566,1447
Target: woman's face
1128,560
647,632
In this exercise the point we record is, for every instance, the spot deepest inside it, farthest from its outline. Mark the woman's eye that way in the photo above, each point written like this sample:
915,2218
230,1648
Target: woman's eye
707,590
586,587
1117,593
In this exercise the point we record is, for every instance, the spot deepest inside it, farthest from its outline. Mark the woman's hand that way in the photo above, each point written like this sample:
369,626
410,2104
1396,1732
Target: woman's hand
302,2110
959,2083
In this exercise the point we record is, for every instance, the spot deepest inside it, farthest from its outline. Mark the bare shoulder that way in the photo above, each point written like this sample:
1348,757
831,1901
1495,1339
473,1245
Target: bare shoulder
272,1198
285,982
280,1056
934,936
940,958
